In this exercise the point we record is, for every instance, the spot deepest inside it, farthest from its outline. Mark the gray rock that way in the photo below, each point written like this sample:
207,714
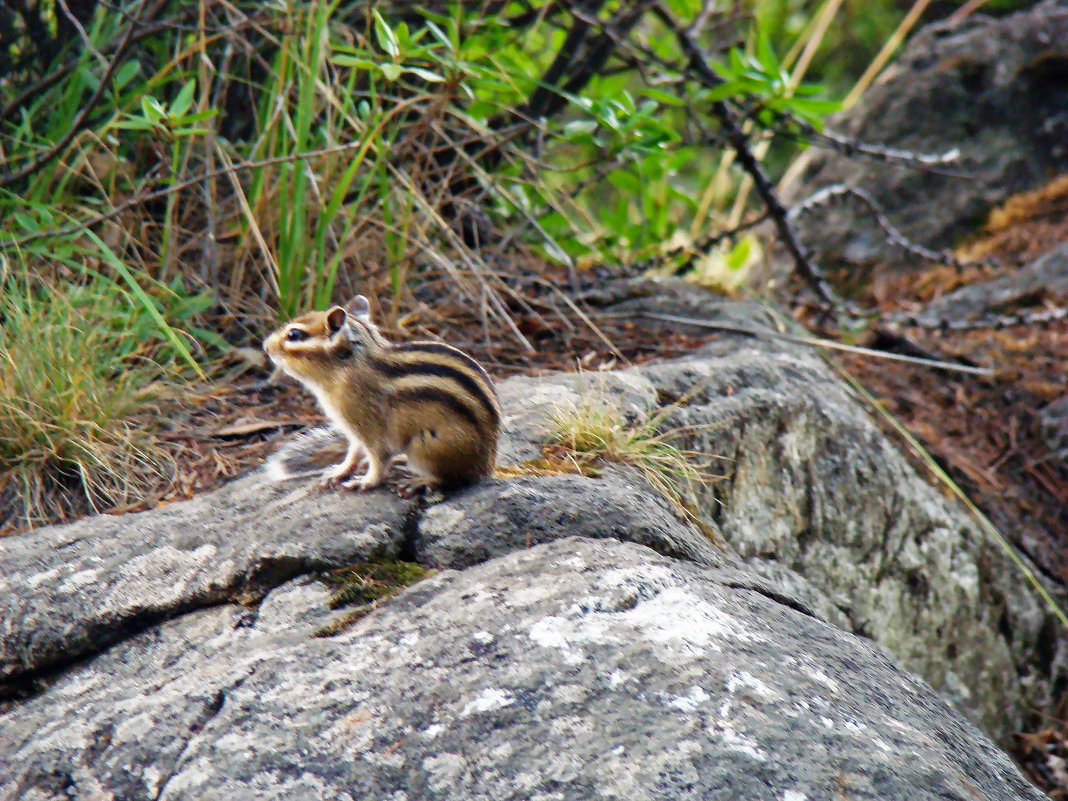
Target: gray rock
810,484
499,517
72,590
574,670
1043,277
816,499
529,405
823,519
993,89
1054,421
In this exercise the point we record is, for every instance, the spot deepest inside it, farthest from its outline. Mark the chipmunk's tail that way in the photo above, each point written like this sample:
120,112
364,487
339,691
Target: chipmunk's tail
308,453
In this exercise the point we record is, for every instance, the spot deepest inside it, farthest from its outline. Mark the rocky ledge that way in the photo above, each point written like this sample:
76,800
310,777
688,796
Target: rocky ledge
581,640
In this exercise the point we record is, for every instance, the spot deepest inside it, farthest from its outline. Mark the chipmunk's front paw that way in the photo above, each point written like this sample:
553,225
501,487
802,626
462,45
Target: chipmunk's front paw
340,476
368,481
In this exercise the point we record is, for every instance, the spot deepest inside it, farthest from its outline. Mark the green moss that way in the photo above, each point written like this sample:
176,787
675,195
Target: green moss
364,585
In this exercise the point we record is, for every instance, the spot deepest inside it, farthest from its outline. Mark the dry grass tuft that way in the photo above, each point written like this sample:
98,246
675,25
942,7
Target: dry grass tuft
598,430
69,442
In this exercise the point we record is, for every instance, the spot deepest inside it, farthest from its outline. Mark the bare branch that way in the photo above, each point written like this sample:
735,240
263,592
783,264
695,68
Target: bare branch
995,322
829,195
740,143
794,127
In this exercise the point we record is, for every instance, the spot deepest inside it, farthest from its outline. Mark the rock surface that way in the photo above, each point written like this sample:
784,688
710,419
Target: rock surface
996,90
1054,422
73,590
136,673
810,484
627,675
1046,276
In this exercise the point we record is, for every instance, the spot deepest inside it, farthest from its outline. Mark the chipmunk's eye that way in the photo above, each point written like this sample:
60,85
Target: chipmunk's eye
296,335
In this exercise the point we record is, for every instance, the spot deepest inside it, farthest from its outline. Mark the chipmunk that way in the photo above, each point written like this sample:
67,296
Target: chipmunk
425,401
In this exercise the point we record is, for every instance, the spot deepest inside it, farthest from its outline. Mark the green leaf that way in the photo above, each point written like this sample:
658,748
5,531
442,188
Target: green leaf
387,40
184,132
766,56
738,256
126,73
391,71
152,109
722,92
625,181
25,221
184,99
440,35
343,60
579,129
189,119
660,96
133,124
738,65
426,75
811,107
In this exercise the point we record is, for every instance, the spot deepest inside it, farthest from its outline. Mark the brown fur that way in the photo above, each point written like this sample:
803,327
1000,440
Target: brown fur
427,401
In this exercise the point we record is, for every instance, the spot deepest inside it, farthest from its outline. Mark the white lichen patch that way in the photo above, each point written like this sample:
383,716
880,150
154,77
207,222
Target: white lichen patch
36,580
443,771
160,577
529,595
676,620
647,576
677,617
152,777
735,741
569,694
799,443
488,700
793,795
617,677
445,517
135,727
690,702
76,581
743,680
822,678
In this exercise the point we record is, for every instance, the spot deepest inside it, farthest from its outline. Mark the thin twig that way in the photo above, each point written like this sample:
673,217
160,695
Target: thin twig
792,126
819,342
830,194
992,322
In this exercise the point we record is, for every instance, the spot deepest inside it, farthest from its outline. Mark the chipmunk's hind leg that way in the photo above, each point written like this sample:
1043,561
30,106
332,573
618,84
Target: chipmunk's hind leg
446,456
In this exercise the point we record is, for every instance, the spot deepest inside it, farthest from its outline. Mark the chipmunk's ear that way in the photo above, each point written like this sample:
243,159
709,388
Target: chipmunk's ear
360,307
335,319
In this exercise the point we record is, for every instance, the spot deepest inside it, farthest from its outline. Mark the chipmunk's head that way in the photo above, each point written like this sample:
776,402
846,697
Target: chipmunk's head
312,347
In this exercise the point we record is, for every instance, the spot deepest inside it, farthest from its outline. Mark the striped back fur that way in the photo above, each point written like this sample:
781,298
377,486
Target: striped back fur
438,373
